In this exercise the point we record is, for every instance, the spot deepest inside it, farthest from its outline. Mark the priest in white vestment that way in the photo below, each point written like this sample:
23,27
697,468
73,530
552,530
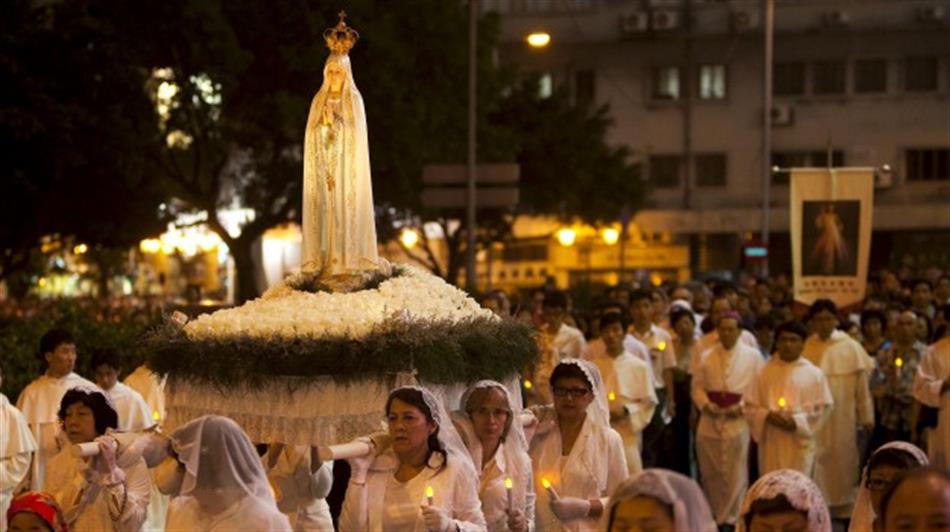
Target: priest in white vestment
301,483
152,388
932,388
134,413
847,367
630,393
786,405
723,376
16,449
720,306
39,401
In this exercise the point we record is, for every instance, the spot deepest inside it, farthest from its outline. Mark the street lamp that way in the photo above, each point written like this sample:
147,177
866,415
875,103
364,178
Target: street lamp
566,236
538,39
610,235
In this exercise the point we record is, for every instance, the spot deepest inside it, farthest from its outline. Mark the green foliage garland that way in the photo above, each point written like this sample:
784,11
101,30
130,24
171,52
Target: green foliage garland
440,352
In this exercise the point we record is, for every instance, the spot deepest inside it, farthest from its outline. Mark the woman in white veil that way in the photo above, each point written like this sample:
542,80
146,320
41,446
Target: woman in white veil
491,428
422,479
578,459
784,492
884,464
223,484
679,500
339,227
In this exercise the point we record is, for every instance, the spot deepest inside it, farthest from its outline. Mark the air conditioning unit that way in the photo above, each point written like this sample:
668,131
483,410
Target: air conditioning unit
783,114
931,14
664,20
744,20
835,19
634,23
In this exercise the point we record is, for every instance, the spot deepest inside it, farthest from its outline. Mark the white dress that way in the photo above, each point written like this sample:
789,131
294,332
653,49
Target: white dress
134,413
933,370
39,403
383,502
847,367
629,379
301,495
804,393
248,514
91,506
595,466
722,442
16,449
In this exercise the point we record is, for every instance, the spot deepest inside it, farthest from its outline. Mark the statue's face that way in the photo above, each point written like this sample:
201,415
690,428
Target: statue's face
335,76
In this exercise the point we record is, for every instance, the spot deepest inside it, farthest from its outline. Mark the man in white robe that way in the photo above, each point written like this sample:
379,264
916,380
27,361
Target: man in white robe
134,414
723,376
556,341
847,367
39,401
630,393
299,488
932,388
786,405
152,388
16,449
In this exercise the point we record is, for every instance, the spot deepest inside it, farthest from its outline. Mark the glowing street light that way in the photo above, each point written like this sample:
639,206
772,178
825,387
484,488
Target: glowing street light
80,249
409,238
566,236
610,235
538,39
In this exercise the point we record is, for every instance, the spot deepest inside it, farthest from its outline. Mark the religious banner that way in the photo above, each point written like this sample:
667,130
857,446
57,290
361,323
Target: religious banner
830,226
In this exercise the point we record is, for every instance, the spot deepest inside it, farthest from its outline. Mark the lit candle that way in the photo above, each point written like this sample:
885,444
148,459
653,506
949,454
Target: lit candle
156,416
782,403
611,396
527,384
430,494
661,345
898,362
547,485
508,486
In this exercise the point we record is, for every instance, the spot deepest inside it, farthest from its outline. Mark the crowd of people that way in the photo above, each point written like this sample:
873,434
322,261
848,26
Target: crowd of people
697,407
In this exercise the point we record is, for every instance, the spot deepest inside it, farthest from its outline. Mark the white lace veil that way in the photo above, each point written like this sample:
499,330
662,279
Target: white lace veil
800,491
598,411
220,461
862,518
690,510
515,444
448,435
321,211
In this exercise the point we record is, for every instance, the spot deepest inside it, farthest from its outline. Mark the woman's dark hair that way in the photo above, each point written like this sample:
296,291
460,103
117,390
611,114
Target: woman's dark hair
414,398
679,314
774,505
613,510
904,476
874,314
105,415
569,371
892,457
792,327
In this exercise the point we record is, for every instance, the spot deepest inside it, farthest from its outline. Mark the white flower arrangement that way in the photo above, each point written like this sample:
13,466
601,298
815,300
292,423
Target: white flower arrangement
283,312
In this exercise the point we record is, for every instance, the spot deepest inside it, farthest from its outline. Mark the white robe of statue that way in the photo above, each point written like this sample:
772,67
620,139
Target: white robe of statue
339,227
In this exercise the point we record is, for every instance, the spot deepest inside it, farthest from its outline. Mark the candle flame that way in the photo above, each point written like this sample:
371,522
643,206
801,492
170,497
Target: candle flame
430,492
509,484
545,482
781,402
527,384
156,416
612,396
661,346
899,362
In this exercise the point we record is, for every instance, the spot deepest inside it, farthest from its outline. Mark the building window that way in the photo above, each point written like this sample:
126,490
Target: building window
712,82
525,253
928,164
665,171
829,77
545,85
786,160
920,74
711,170
870,75
788,79
584,87
666,83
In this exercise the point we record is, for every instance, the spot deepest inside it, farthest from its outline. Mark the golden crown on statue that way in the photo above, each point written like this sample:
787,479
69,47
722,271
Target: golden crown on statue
341,37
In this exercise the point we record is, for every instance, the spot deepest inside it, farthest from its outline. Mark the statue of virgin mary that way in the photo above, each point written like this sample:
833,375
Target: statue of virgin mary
339,229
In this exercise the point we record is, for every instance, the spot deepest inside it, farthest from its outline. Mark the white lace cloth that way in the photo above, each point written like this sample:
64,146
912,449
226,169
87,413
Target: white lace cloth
294,412
800,491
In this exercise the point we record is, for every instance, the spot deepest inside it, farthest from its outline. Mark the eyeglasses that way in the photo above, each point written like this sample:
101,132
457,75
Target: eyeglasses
877,484
576,393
